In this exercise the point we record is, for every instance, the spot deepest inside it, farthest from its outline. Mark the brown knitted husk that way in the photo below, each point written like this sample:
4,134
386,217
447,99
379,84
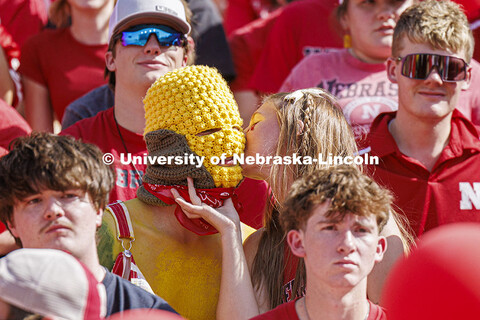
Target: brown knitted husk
166,143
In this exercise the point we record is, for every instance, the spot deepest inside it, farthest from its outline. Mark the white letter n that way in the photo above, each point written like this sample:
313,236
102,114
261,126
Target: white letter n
469,196
370,111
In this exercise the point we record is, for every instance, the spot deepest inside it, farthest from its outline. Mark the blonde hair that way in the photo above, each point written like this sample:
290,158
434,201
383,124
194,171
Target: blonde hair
311,122
441,24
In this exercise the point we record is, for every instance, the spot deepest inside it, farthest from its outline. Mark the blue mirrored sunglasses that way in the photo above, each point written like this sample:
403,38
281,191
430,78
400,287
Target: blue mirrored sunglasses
166,36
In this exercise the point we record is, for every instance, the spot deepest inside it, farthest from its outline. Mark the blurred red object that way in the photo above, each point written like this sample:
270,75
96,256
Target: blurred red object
440,279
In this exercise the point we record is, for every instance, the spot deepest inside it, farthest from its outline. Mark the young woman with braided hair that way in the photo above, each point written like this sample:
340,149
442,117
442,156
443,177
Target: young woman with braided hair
307,123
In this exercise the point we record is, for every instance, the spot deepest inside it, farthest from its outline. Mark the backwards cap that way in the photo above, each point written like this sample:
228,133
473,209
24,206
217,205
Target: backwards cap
51,283
128,13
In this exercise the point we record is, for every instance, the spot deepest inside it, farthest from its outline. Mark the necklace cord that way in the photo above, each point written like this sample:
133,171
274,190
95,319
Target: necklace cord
126,150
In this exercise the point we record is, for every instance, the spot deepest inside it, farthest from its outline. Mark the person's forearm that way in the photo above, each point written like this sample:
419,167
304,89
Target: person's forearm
7,86
395,250
7,243
38,110
237,298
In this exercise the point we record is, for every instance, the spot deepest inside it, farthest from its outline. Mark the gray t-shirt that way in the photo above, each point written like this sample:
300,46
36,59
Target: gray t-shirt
88,105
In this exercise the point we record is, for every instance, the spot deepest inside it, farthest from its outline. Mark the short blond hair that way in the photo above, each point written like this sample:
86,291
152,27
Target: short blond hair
441,24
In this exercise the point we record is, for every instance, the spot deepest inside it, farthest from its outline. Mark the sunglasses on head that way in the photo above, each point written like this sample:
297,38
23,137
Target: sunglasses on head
420,65
166,36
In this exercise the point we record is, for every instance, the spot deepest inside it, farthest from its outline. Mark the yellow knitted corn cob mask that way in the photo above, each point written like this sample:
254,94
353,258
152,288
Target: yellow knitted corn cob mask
196,100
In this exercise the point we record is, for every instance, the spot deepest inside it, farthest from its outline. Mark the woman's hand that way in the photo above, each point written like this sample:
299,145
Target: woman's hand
224,219
236,296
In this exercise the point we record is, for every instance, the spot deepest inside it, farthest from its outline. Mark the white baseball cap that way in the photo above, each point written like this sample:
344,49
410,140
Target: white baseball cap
128,13
50,283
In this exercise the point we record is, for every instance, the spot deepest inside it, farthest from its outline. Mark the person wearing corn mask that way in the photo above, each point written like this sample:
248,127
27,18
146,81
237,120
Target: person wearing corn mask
190,114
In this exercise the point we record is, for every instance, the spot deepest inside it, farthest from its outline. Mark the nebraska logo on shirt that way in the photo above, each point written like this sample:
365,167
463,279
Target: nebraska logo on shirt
364,110
361,112
470,195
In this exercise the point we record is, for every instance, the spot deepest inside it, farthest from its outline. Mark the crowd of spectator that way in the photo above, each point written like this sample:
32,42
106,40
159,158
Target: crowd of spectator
206,159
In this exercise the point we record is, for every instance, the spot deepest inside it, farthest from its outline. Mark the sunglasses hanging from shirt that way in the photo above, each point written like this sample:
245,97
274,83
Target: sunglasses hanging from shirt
420,65
166,36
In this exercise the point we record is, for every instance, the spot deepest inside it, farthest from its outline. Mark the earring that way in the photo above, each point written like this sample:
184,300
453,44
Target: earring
347,41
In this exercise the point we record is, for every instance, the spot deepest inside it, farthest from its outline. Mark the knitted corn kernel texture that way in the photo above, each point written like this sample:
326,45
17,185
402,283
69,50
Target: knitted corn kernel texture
193,100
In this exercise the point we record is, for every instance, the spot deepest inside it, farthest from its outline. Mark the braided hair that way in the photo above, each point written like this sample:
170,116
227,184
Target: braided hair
311,123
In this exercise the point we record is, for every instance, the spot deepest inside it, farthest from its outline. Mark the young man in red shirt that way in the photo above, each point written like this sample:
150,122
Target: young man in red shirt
133,64
333,219
429,153
134,61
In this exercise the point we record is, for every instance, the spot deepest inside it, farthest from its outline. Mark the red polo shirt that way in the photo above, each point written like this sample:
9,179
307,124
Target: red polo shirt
449,193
